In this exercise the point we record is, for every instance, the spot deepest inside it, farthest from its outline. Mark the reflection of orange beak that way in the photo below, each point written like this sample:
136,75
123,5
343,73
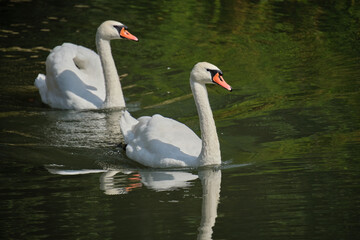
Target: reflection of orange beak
125,34
134,177
132,186
218,79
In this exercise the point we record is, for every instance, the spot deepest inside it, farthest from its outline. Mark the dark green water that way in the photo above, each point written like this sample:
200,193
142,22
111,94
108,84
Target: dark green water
289,132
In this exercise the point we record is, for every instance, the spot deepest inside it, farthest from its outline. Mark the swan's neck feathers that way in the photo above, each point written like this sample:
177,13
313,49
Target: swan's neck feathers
113,93
210,151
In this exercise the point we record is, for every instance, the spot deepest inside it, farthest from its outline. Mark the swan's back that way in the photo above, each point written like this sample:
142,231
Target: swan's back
74,78
160,142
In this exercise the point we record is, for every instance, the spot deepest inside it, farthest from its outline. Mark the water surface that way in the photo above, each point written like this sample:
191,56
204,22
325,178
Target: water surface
289,132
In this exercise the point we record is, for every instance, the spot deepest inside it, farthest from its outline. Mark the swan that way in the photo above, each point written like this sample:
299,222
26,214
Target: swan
78,78
161,142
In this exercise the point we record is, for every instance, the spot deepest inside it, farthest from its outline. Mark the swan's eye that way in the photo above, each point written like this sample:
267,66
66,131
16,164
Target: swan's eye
118,28
214,72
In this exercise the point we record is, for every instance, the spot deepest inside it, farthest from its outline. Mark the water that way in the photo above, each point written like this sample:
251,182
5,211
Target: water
289,132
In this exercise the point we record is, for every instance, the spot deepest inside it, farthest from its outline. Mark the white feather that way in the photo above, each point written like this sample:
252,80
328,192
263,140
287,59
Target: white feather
78,78
161,142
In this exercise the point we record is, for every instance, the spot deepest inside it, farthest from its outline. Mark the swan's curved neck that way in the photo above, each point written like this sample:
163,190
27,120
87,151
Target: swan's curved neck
113,93
210,151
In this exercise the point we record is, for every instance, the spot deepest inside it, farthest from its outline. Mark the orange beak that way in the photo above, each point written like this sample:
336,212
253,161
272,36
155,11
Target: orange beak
126,34
218,79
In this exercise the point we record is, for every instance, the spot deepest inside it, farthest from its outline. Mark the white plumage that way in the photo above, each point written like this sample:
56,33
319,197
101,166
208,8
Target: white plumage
161,142
78,78
74,79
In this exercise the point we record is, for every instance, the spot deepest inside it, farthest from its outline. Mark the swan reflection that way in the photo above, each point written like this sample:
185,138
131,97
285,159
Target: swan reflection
116,182
78,129
121,182
112,182
211,183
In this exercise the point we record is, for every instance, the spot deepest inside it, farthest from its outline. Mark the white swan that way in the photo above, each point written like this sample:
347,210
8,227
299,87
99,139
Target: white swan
78,78
161,142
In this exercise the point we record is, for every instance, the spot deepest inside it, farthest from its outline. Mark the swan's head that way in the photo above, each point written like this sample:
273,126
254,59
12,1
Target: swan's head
207,73
109,30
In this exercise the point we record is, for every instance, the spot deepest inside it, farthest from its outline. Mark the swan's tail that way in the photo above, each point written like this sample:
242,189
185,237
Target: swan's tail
40,83
127,123
40,80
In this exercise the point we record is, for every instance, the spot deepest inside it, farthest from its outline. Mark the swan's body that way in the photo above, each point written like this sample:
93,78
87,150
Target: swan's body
161,142
78,78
